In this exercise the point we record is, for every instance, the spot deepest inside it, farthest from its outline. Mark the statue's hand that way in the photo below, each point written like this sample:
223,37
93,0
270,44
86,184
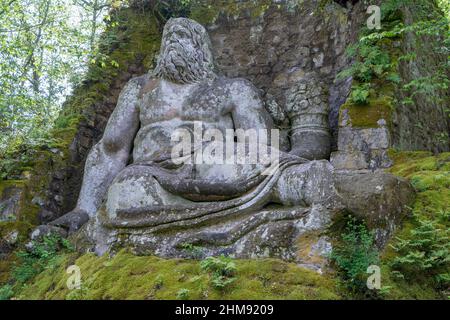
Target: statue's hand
72,221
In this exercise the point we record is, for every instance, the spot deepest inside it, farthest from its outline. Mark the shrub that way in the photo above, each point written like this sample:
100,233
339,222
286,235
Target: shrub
40,256
6,292
194,252
222,271
355,252
360,94
426,253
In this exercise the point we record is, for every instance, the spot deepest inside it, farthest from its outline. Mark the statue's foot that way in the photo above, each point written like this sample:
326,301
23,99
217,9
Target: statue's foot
72,221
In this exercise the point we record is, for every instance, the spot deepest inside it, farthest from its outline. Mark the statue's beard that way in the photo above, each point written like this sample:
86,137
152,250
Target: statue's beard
183,64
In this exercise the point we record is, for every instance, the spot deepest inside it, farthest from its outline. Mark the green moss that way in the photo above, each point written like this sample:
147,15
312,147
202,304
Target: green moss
367,116
27,212
206,12
10,183
126,276
431,178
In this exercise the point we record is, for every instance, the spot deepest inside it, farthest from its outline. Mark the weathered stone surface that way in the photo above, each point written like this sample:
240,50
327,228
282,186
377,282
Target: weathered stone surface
45,230
276,37
307,108
424,124
10,203
132,203
161,207
313,251
355,160
362,148
363,139
379,198
71,222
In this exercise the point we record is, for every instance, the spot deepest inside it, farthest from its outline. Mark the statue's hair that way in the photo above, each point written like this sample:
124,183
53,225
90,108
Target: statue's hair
197,65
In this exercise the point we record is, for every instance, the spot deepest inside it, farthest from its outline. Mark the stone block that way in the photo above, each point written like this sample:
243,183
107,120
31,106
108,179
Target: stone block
349,160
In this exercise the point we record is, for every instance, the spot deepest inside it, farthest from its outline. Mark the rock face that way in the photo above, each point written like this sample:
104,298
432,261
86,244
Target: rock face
362,148
424,124
289,56
283,46
10,203
380,199
171,210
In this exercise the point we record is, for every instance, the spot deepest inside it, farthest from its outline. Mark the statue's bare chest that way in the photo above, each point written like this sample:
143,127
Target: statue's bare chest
182,102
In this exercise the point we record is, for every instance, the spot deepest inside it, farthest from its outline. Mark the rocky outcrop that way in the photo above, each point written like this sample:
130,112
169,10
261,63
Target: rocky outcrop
423,124
380,199
277,46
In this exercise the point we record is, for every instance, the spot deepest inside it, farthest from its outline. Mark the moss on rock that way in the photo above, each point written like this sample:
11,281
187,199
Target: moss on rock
367,116
430,176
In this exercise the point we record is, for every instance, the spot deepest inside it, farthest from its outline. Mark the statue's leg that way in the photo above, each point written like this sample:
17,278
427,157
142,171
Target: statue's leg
136,187
306,184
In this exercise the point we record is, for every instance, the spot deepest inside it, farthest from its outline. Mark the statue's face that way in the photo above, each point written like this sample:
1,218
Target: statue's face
185,55
179,44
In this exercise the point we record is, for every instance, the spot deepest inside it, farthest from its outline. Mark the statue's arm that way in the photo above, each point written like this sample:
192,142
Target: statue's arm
108,157
248,110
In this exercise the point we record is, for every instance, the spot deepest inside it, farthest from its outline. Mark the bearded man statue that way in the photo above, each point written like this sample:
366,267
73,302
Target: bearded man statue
136,191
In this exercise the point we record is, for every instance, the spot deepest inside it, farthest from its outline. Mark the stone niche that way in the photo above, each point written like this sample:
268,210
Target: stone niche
291,53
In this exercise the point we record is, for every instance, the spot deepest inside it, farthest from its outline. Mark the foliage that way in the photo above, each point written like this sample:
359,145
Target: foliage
354,254
222,271
6,292
360,94
45,47
193,251
376,55
41,255
419,238
425,253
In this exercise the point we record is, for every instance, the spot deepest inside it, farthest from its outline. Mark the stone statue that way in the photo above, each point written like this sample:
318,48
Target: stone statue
134,192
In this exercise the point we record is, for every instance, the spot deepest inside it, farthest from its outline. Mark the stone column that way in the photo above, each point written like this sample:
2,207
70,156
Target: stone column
307,108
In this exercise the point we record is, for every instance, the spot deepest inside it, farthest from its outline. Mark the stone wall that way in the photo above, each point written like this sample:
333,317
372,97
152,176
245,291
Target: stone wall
424,124
286,44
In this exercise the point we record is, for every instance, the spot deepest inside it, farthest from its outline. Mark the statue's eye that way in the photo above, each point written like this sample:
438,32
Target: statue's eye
182,34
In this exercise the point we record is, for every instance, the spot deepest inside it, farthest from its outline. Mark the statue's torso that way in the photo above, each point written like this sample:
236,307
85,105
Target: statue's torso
166,107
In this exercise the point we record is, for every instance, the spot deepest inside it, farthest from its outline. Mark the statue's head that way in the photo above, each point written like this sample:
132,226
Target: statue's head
186,55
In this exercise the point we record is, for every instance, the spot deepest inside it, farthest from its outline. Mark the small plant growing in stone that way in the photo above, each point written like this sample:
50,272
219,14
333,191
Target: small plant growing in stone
159,282
222,270
195,252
